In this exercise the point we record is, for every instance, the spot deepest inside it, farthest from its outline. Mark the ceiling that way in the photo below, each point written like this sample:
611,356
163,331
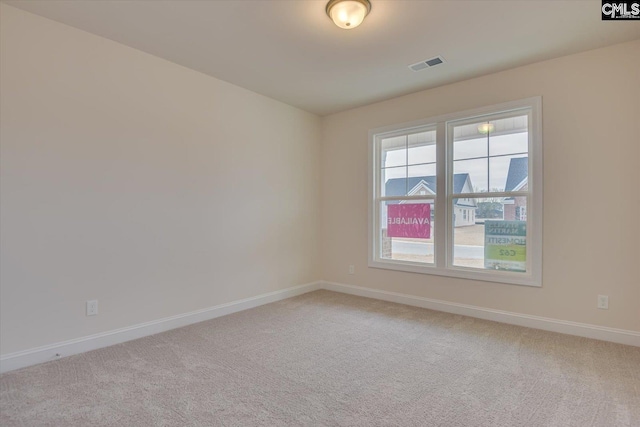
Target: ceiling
291,51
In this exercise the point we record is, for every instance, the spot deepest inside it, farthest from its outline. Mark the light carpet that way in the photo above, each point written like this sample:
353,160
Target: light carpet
329,359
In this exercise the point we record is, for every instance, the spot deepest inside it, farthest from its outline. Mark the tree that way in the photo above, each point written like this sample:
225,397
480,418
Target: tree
490,210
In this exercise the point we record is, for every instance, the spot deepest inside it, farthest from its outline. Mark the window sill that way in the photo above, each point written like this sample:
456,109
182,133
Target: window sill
503,277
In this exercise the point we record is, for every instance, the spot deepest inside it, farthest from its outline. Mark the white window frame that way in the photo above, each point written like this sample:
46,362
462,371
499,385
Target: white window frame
443,230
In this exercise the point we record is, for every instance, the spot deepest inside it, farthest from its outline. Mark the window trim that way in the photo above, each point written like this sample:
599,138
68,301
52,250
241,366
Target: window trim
442,265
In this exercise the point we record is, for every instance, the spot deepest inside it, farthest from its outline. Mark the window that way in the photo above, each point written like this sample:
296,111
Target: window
460,195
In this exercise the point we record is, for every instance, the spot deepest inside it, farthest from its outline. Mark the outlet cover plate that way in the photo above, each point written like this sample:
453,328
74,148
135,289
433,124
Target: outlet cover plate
92,307
603,302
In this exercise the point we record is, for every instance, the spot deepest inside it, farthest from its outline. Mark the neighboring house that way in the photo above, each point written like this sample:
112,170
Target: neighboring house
464,211
517,180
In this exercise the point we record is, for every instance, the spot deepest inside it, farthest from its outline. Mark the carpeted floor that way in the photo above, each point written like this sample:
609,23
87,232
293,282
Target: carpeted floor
328,359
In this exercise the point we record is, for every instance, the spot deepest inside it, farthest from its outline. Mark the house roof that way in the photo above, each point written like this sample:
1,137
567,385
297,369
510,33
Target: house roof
396,186
518,172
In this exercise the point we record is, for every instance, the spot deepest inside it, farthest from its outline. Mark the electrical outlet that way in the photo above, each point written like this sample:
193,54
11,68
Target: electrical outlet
92,307
352,269
603,302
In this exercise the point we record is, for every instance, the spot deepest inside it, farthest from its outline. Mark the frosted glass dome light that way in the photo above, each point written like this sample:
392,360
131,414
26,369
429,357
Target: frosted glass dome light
348,14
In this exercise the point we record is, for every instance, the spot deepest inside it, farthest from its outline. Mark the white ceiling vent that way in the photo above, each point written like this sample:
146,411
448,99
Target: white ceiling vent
428,63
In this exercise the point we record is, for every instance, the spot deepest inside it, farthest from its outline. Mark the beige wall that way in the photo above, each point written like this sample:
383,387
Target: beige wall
148,186
591,106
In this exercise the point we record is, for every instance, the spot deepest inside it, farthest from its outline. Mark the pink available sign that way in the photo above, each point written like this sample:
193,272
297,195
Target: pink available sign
409,220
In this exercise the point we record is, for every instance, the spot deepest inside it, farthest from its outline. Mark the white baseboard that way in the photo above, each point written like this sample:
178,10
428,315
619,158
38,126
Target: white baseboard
12,361
620,336
21,359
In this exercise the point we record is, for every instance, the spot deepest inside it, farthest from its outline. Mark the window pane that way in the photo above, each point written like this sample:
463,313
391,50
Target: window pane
407,230
508,173
489,208
509,136
393,181
422,180
393,151
422,147
470,176
469,148
493,143
495,244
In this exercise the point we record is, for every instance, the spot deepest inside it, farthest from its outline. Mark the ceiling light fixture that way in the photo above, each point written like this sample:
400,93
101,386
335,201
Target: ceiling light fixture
348,14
